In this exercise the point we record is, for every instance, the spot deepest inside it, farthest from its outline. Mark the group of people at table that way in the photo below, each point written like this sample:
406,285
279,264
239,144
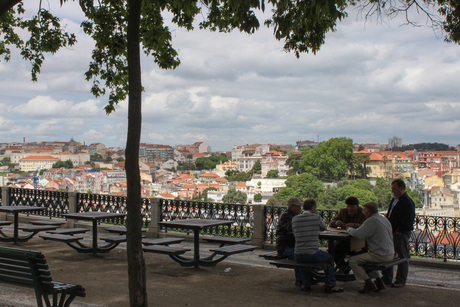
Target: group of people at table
385,236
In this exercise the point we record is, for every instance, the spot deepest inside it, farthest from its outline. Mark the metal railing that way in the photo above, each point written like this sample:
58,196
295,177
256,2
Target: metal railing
54,202
433,236
241,216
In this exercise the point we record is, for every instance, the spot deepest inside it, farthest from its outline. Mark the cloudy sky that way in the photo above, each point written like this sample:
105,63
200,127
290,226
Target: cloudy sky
370,82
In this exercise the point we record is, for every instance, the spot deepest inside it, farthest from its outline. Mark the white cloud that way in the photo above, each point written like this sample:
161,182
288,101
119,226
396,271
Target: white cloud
368,82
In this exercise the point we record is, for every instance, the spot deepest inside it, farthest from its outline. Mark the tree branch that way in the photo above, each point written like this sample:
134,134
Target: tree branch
6,5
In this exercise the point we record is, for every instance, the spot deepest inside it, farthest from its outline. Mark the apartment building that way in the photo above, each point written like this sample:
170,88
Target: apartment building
34,163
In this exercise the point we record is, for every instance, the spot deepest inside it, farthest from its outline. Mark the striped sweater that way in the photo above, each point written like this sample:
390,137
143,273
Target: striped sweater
306,227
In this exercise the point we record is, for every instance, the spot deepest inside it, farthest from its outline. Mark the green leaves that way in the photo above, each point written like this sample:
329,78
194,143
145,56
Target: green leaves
235,197
451,10
46,35
303,24
330,159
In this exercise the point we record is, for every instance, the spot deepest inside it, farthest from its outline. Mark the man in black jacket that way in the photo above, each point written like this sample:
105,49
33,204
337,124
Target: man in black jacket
285,240
401,214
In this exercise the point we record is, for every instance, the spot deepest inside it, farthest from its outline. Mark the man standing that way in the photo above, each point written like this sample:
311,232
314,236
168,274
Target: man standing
306,227
285,240
401,214
377,232
351,216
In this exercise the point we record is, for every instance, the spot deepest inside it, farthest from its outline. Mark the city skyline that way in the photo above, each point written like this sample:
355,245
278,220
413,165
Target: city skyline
369,82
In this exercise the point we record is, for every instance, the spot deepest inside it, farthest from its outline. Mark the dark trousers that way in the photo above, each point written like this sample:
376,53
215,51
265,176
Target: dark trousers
289,253
401,243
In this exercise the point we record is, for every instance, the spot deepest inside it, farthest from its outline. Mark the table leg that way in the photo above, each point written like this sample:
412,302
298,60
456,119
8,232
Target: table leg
16,227
196,247
94,237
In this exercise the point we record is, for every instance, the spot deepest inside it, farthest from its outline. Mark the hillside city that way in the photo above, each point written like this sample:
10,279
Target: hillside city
328,171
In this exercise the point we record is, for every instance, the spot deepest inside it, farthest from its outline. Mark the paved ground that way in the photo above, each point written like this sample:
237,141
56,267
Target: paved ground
249,282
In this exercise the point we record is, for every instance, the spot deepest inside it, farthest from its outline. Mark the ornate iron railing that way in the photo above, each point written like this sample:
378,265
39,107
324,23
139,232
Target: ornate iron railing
111,203
55,202
240,215
436,237
433,236
272,214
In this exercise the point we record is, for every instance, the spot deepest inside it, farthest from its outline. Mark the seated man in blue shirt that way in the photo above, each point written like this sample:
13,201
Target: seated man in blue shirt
306,227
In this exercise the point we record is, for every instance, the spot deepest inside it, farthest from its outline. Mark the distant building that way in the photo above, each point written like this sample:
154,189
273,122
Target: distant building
95,148
197,147
395,142
300,144
33,163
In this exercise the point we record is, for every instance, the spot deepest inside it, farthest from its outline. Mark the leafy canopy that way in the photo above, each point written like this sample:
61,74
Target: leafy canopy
235,197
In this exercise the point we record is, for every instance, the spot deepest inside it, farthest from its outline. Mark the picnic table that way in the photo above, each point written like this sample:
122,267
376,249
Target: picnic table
197,225
94,217
15,210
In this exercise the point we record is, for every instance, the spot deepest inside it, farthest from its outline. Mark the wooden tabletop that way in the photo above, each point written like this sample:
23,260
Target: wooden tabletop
20,208
194,223
93,215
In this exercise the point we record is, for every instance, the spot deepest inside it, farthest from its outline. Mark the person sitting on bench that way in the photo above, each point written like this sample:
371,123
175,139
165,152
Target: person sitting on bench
351,216
306,227
285,240
377,232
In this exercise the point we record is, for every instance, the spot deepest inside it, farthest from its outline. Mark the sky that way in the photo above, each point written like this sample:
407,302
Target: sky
370,81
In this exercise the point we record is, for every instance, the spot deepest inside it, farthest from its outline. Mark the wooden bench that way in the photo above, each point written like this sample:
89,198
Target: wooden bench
226,240
29,269
162,241
167,250
233,249
383,265
5,223
47,222
117,239
292,264
60,238
38,228
272,256
68,231
119,230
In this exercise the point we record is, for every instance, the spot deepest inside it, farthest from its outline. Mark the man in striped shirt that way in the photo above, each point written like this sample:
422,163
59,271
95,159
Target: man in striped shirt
306,227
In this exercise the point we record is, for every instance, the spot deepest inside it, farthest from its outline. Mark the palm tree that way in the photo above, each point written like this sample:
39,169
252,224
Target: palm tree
385,161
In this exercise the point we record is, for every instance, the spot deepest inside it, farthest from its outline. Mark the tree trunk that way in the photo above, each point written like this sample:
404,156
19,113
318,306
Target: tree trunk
136,264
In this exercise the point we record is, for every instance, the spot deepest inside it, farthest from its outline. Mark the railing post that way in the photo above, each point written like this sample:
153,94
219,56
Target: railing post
5,201
72,208
155,217
258,237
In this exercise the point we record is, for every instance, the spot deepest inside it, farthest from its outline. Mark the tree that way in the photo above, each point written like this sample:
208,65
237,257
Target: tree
210,162
119,28
204,195
272,173
363,195
302,186
64,164
294,162
108,159
362,184
258,198
235,197
330,198
238,176
257,167
330,159
382,191
96,157
275,200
